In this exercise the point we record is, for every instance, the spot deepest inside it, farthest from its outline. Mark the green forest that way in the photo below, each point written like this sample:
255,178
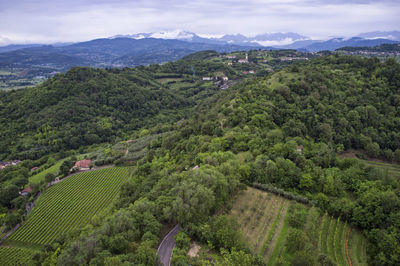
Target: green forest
283,132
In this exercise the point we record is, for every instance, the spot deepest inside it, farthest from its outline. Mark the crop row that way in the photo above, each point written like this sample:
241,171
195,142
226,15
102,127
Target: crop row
70,204
15,256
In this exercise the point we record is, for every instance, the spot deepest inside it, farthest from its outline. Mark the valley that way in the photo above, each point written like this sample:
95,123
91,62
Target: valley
190,141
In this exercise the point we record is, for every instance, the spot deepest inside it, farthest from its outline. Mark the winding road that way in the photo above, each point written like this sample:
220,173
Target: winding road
167,244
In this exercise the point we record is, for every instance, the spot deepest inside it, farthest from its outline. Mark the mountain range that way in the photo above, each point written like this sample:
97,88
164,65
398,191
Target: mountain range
112,52
288,40
159,47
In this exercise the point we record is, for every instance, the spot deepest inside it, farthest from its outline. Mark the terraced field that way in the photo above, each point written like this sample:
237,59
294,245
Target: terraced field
68,205
14,256
264,220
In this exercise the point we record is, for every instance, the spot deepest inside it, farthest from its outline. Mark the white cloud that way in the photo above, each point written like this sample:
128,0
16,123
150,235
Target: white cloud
51,21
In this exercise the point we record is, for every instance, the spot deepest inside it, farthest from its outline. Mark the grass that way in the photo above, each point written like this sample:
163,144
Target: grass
40,176
393,169
54,169
167,80
69,205
279,243
357,248
263,218
330,239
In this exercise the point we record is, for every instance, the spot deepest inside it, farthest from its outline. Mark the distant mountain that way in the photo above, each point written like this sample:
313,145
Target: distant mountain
111,52
337,43
13,47
386,48
390,35
297,44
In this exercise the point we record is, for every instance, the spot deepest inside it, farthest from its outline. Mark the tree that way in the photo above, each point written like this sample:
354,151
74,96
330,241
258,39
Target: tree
49,177
182,241
373,149
12,220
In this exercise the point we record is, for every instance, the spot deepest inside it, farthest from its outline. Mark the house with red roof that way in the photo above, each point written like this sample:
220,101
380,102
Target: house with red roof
82,165
25,191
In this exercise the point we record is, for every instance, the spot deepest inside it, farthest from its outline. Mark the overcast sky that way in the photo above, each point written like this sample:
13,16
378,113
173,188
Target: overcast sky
46,21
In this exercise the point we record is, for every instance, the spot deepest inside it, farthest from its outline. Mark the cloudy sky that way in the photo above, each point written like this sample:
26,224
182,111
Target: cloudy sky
46,21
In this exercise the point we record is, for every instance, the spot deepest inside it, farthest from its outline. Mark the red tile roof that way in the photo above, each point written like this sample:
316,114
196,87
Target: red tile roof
83,164
27,190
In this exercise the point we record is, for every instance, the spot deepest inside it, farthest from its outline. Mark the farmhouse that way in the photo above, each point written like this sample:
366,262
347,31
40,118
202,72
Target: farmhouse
82,165
34,168
25,191
207,78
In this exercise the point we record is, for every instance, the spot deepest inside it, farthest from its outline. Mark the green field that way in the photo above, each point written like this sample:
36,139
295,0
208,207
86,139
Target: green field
15,256
69,205
263,218
54,169
40,176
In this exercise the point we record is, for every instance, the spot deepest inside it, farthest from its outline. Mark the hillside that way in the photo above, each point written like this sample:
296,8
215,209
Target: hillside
88,106
281,132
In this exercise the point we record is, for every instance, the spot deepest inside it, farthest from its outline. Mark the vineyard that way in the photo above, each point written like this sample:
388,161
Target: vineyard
268,221
14,256
69,205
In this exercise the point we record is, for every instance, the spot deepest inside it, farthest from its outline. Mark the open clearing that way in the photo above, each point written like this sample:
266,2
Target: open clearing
263,218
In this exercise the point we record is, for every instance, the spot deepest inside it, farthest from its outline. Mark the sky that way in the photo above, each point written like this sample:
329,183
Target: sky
49,21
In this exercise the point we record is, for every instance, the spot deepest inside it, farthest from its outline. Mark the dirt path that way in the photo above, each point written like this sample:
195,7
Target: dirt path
347,246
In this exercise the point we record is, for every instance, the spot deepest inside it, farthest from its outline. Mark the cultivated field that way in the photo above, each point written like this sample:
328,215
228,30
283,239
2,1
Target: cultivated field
68,205
15,256
264,220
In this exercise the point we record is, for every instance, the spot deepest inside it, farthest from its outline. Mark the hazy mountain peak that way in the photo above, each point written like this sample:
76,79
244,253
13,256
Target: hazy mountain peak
390,35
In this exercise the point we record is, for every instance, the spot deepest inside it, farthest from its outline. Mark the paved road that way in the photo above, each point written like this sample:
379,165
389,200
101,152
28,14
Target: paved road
167,244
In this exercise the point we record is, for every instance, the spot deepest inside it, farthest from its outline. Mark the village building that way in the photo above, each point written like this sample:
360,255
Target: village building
34,168
225,78
82,165
246,60
251,72
207,78
300,148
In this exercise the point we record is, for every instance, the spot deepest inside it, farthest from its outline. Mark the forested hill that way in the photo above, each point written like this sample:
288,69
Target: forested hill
87,106
283,131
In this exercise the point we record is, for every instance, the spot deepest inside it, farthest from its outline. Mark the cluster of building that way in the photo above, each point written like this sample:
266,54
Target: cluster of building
224,78
248,72
11,163
287,58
